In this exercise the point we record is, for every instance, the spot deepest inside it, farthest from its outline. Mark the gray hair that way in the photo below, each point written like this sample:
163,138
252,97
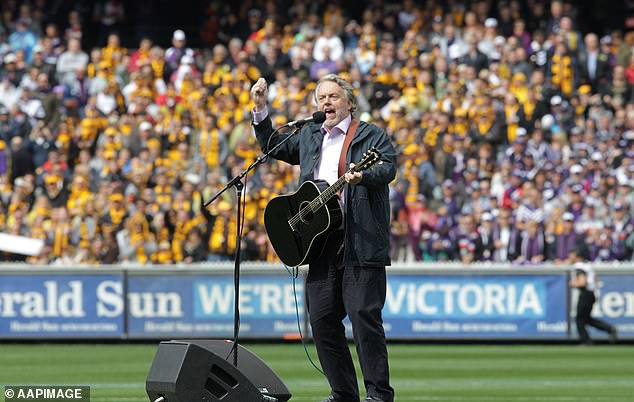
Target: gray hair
348,89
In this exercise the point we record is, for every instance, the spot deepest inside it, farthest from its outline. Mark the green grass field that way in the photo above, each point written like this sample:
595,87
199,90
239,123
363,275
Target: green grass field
116,373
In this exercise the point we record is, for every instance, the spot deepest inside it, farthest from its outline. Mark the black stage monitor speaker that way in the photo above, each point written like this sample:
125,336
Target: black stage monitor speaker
203,371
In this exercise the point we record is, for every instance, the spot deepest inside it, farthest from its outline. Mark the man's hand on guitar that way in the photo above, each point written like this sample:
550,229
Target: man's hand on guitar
353,178
259,94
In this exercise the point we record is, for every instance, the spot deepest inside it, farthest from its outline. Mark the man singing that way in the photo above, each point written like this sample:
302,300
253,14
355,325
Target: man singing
348,278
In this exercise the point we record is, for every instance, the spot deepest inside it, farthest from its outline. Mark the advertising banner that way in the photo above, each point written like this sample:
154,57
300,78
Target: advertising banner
203,306
614,305
61,306
483,306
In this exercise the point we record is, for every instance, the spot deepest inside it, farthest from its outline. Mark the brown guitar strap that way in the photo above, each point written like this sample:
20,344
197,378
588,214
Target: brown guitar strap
352,129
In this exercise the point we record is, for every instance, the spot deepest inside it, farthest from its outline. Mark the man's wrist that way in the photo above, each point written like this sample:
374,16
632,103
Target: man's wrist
259,115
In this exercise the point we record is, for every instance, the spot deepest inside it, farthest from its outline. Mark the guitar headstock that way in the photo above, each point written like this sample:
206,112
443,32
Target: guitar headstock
370,158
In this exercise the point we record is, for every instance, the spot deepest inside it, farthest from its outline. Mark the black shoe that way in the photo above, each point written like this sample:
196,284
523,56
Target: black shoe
333,399
586,343
612,335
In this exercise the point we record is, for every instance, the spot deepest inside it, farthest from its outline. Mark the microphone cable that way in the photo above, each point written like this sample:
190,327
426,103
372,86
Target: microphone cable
294,276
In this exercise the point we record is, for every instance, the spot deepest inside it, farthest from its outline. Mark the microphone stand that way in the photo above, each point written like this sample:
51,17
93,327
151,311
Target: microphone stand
236,182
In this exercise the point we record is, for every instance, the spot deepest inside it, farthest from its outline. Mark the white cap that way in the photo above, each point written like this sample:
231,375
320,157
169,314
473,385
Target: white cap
192,178
187,59
576,168
556,100
10,58
499,40
567,216
520,131
145,125
596,156
178,35
582,266
487,217
547,121
490,23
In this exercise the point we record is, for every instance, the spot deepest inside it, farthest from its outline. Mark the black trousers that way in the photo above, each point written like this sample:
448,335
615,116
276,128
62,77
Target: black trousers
334,291
584,308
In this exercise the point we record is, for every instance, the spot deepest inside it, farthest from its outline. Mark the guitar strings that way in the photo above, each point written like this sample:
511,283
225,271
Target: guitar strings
318,202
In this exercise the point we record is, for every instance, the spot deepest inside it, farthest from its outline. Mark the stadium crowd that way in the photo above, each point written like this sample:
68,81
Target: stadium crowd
515,130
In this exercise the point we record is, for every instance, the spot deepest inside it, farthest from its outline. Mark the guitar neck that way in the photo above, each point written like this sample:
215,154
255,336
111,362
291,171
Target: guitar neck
327,194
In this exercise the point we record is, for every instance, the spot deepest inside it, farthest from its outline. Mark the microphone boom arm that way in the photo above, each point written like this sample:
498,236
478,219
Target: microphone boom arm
260,159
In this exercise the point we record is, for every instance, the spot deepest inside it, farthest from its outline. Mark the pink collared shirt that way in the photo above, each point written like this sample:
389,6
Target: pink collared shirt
331,146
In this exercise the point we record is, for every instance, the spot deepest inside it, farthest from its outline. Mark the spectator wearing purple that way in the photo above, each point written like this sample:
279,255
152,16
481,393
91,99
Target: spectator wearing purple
577,202
603,246
448,197
540,149
531,208
568,244
531,244
623,226
515,153
327,65
178,49
466,239
440,244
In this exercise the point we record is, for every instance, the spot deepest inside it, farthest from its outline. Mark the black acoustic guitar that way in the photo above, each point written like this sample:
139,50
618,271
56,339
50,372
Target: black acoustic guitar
298,224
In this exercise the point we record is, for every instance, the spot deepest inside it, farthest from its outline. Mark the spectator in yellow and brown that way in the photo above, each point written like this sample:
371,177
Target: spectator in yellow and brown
222,235
487,126
179,222
60,233
105,248
561,68
163,190
173,161
92,124
113,50
115,215
511,114
211,143
164,254
257,200
79,196
136,242
85,224
110,169
55,190
22,196
195,247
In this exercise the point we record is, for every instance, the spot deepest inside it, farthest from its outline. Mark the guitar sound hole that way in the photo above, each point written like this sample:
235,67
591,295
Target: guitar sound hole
306,215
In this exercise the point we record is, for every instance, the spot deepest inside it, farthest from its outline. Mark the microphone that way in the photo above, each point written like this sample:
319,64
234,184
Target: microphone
317,117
